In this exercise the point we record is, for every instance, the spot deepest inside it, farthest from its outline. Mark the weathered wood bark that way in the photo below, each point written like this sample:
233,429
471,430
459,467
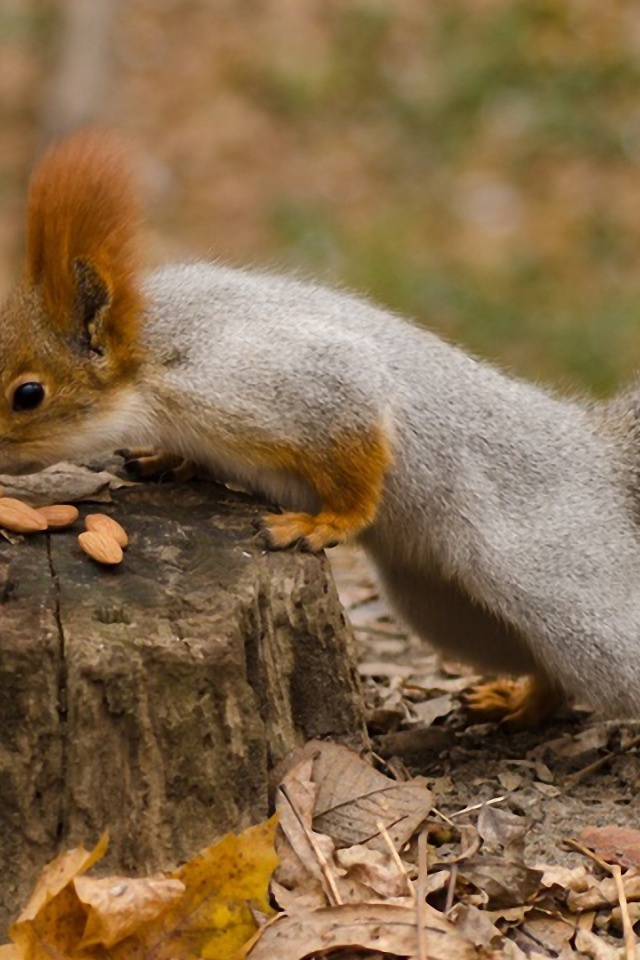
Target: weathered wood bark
153,698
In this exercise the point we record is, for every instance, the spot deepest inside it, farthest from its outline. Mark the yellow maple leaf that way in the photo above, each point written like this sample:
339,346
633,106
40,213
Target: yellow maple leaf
205,909
53,919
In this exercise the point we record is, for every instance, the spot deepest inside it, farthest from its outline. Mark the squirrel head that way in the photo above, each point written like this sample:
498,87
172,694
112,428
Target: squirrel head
70,330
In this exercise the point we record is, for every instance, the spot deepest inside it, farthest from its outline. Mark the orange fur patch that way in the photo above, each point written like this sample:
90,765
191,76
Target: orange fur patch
518,704
348,477
82,205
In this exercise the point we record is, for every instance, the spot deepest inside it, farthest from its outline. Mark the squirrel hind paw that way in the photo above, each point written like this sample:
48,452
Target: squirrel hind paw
300,530
516,704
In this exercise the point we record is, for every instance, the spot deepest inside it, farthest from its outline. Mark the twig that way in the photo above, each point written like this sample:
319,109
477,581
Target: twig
630,940
451,889
332,893
596,765
384,833
479,806
443,816
421,905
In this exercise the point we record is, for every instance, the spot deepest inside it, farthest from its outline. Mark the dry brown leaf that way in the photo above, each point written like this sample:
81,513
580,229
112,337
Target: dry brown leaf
382,927
474,924
374,870
119,906
300,872
504,829
595,737
567,878
603,893
551,933
353,797
311,874
429,710
64,482
504,882
510,780
595,947
613,844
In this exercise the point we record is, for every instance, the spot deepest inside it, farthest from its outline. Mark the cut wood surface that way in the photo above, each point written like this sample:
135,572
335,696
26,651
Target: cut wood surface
153,698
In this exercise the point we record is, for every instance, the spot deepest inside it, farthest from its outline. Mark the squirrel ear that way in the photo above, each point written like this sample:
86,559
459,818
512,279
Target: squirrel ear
92,290
93,297
82,220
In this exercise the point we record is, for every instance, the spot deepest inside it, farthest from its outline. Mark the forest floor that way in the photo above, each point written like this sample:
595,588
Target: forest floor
572,773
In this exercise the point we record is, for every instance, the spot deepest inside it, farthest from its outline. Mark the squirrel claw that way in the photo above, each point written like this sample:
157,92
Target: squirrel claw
152,463
515,704
300,531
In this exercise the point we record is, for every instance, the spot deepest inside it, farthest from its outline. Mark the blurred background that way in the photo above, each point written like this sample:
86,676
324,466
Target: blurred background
471,163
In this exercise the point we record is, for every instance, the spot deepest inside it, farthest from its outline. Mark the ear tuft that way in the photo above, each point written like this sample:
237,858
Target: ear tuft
82,220
92,292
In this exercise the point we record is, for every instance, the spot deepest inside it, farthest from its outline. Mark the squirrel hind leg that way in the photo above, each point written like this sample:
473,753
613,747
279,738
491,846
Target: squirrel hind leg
348,478
516,704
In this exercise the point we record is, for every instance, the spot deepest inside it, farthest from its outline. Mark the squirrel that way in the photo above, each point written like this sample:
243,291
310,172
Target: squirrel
501,519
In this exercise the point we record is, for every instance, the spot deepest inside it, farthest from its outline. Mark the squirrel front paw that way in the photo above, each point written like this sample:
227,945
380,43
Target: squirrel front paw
516,704
301,530
152,463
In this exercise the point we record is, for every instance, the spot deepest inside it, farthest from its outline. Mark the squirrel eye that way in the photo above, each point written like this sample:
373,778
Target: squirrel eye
28,396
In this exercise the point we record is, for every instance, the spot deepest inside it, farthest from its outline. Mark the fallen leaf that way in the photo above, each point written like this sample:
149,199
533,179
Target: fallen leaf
206,910
504,882
429,710
387,929
118,906
595,947
55,876
64,482
375,870
551,933
510,780
603,893
595,737
503,829
353,797
613,844
566,878
53,921
474,924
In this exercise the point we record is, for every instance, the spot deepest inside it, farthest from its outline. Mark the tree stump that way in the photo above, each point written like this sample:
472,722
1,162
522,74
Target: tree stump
154,697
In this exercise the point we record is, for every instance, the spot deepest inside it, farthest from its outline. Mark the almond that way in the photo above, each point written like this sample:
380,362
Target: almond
101,523
59,515
20,517
100,547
